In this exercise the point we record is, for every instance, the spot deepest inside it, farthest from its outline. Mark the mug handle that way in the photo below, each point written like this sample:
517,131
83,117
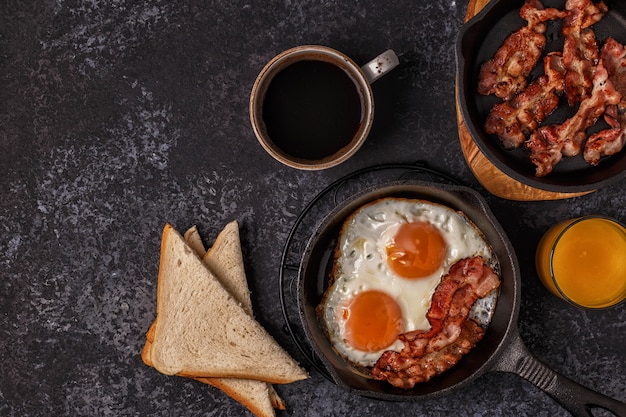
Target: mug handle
380,65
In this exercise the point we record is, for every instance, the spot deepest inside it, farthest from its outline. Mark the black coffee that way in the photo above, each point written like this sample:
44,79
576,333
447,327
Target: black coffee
312,109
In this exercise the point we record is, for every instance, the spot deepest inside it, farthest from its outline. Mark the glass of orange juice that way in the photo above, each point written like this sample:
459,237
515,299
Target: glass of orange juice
583,261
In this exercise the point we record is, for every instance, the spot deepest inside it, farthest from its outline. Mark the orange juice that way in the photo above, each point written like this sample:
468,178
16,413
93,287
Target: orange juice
584,261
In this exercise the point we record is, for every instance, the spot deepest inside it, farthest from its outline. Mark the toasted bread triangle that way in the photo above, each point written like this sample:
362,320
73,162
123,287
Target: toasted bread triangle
202,331
226,258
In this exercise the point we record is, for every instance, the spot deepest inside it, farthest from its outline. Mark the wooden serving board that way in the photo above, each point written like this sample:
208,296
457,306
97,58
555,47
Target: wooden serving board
492,178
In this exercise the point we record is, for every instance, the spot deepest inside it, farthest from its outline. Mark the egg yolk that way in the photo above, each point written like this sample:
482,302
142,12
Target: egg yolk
373,321
416,251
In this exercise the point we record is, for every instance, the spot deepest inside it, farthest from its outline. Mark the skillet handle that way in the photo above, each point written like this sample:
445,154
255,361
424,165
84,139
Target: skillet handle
576,398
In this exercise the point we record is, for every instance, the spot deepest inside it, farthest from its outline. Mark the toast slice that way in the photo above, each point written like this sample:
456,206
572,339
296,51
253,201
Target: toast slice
193,239
202,331
226,260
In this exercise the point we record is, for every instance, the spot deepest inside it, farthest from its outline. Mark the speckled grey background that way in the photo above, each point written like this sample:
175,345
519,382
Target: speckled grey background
119,116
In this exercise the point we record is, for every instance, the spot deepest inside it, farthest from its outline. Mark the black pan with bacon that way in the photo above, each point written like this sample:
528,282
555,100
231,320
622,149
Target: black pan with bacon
577,72
519,119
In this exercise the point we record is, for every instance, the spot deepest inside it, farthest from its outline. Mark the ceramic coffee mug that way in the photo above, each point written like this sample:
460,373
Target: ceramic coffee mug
312,107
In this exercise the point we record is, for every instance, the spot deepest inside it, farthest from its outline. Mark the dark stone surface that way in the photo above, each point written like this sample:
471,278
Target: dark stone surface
119,116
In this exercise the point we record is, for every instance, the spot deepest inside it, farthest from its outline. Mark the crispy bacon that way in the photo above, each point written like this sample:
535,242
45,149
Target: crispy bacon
614,58
512,121
452,334
507,72
545,151
580,48
611,141
536,14
583,13
548,144
404,371
580,56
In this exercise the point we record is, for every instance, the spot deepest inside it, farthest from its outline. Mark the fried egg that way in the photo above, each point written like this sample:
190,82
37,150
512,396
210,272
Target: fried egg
390,257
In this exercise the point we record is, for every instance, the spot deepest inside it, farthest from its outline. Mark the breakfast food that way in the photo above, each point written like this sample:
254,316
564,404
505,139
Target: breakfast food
225,259
201,329
222,262
611,141
451,335
580,47
390,260
548,144
506,74
578,72
513,120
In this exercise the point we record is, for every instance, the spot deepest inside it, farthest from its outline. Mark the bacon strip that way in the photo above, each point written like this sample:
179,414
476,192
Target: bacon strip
611,141
580,48
404,372
548,144
614,58
452,334
512,121
583,13
507,72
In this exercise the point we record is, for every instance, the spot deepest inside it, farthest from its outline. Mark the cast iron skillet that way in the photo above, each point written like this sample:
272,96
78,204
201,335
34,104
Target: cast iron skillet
501,349
477,42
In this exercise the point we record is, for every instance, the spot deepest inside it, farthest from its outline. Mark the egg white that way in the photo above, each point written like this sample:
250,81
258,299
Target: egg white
361,265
